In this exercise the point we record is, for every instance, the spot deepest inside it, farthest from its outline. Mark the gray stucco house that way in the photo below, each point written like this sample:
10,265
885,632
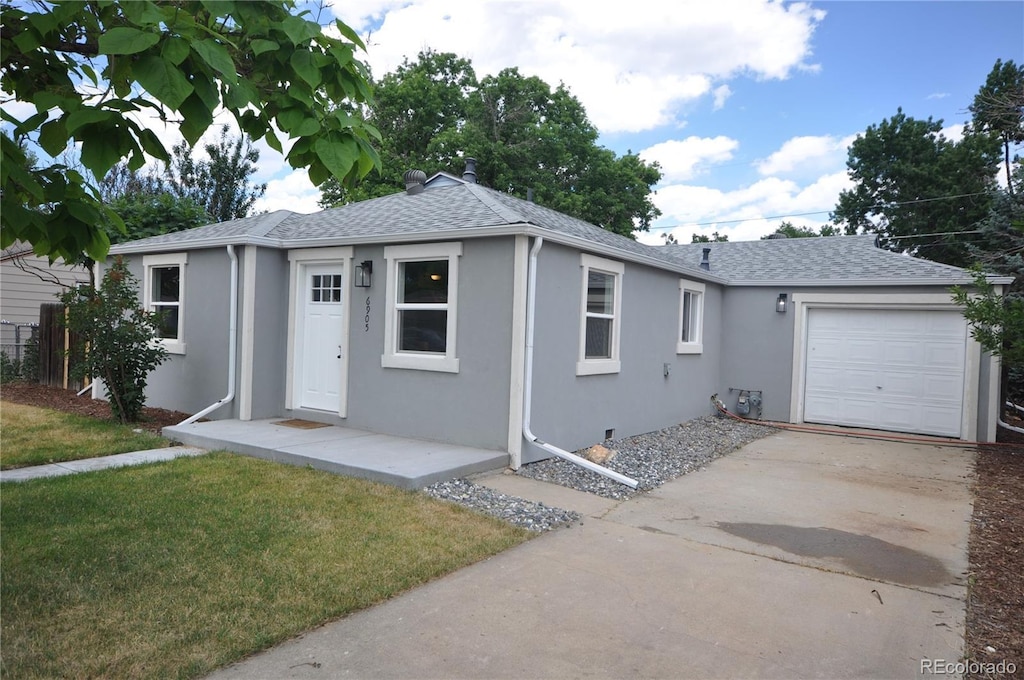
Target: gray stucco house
438,312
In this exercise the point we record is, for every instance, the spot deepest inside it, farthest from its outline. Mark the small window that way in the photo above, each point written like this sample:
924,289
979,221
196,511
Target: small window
325,288
691,318
422,289
164,294
600,320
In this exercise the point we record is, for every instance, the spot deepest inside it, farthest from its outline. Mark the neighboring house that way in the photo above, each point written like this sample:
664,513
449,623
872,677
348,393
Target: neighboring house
628,338
26,282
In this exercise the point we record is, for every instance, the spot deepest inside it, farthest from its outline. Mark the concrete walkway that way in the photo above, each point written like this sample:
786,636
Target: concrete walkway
88,464
399,461
799,556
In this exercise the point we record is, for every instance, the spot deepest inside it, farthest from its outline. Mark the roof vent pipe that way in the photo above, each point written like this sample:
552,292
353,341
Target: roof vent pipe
470,174
704,263
529,194
414,180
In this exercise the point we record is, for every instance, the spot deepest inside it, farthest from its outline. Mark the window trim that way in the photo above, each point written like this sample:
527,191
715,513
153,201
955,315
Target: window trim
151,262
691,346
393,257
585,366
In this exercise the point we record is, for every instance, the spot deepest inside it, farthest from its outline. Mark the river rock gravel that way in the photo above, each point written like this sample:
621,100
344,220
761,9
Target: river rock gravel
652,459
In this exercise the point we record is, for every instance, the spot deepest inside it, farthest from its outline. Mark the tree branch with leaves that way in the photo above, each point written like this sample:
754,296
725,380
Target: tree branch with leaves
92,69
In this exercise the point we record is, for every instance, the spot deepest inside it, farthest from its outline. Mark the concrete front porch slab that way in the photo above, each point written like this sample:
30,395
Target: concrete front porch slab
399,461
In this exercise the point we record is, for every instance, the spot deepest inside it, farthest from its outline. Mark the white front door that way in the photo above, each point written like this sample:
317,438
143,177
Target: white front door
321,356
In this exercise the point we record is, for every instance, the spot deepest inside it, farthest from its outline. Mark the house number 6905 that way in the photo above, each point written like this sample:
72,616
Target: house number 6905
367,317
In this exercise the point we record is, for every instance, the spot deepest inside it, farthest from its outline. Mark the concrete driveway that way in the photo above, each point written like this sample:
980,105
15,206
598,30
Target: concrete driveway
799,556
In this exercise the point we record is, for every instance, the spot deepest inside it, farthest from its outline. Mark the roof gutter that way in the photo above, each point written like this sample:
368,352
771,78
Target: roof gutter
531,306
521,228
232,343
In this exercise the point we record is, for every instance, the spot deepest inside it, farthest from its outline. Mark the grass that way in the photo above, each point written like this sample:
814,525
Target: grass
177,568
36,436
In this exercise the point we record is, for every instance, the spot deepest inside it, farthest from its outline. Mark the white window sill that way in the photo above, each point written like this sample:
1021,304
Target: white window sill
172,346
689,348
598,366
420,362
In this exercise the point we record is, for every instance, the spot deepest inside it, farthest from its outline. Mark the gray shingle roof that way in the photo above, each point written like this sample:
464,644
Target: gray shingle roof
473,209
445,209
810,260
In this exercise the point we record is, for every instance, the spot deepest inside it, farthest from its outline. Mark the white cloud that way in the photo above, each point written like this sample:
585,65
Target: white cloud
747,213
721,93
954,133
806,152
292,192
633,66
681,159
937,95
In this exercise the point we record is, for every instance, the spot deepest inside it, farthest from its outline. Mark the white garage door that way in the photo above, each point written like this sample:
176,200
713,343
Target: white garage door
897,370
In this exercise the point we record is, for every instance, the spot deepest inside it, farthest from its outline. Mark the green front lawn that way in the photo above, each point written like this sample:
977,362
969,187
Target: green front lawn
174,569
36,436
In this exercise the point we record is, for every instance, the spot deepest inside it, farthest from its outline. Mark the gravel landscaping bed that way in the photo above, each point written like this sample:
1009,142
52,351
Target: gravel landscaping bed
652,459
517,511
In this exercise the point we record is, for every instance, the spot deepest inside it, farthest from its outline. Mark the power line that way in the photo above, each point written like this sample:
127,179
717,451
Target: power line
819,212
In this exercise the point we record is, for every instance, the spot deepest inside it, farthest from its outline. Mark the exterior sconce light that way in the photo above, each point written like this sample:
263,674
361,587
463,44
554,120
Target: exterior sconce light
364,272
780,304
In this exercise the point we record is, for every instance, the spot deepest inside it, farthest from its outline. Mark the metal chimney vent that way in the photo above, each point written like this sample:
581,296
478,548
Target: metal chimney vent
470,174
704,263
414,180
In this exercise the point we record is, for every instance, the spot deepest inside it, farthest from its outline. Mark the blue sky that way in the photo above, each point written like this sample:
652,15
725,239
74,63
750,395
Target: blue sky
749,106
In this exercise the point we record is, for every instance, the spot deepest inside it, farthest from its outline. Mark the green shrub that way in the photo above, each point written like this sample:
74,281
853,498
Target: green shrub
10,369
119,335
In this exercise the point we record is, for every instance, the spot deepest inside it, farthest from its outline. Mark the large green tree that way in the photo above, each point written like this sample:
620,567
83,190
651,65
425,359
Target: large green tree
997,320
222,182
916,188
90,69
790,230
434,112
999,108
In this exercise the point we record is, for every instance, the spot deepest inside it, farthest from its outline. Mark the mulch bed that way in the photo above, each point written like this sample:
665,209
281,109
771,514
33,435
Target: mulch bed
995,599
153,419
995,602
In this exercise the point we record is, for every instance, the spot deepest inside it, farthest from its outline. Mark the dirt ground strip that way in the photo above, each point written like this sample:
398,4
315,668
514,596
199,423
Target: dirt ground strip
995,607
995,601
153,419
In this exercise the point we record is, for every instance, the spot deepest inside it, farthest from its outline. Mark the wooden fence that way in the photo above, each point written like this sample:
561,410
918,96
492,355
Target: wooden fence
55,366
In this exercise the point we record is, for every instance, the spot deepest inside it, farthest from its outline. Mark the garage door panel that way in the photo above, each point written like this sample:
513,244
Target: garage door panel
902,384
859,380
862,350
891,369
943,356
827,349
900,352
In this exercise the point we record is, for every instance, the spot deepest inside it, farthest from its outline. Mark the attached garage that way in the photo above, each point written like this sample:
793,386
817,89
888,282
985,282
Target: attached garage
892,369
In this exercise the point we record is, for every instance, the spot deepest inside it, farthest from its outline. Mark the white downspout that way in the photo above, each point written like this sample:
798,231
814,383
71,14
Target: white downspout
531,300
232,343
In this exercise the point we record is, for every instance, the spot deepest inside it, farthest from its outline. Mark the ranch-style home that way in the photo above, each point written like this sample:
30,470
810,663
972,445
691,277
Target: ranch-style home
454,313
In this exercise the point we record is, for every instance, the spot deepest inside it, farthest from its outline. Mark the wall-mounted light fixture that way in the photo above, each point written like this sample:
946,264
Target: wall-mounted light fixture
364,272
780,304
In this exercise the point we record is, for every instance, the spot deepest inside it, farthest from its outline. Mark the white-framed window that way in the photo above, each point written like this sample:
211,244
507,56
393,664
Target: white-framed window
600,315
422,305
689,339
164,293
